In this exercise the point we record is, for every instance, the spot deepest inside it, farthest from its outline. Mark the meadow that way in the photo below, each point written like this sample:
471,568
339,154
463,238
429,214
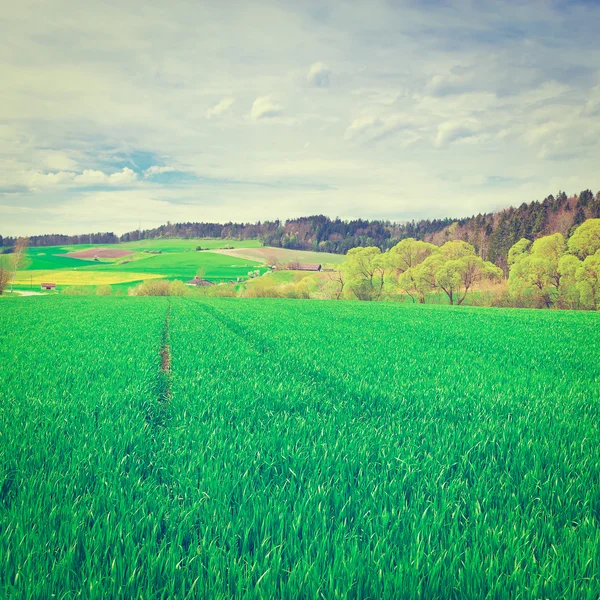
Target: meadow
297,450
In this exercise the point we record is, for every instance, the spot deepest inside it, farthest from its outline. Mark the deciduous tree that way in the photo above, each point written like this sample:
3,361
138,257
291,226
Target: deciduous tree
456,277
409,253
365,270
585,240
588,281
17,258
536,272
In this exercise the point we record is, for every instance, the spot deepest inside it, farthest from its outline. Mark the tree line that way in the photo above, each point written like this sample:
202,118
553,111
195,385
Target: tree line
552,271
490,234
556,271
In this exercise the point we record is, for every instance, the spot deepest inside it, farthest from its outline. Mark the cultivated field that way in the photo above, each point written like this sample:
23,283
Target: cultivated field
66,277
285,255
133,262
297,450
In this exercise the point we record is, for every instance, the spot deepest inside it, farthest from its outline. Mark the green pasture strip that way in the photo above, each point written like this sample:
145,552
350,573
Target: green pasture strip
180,245
80,511
51,262
185,266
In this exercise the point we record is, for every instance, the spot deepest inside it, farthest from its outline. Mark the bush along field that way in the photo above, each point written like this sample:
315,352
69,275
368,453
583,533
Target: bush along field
263,448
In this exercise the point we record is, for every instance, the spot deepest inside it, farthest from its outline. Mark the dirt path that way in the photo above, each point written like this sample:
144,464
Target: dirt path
29,293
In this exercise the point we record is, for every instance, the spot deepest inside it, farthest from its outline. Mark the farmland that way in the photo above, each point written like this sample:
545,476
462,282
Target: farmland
297,450
284,255
133,262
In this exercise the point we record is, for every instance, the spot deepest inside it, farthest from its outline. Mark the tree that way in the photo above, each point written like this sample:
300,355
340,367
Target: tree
568,293
4,274
518,251
536,272
17,258
456,249
416,282
335,285
409,253
585,240
456,277
588,281
365,272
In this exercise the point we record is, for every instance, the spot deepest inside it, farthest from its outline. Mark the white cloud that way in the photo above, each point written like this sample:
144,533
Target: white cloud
220,108
453,131
265,108
55,160
318,75
372,128
34,180
122,177
42,181
156,170
91,177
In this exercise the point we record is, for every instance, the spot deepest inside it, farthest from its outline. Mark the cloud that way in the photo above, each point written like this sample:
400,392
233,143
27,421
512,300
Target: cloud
55,160
446,85
453,131
88,178
318,75
370,128
91,177
264,108
220,109
156,170
122,177
48,180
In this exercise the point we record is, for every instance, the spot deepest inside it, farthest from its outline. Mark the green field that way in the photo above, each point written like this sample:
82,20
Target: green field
297,450
178,260
183,265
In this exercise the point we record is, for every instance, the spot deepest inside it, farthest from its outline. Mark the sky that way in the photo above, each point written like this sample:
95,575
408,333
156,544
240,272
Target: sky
116,114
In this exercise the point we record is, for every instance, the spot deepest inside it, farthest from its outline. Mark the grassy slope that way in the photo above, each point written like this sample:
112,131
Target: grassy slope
184,265
179,245
307,450
179,260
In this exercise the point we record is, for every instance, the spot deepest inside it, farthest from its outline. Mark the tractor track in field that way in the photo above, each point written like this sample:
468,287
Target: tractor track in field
298,368
165,360
156,410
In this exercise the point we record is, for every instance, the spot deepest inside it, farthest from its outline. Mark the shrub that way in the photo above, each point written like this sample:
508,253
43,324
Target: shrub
161,287
104,290
78,290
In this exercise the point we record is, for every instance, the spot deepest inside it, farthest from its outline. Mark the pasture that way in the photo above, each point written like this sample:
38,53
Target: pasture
297,450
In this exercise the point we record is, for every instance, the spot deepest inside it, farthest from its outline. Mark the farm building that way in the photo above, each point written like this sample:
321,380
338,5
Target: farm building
307,267
48,286
197,282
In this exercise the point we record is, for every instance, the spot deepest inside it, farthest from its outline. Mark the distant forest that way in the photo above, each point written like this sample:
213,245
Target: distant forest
492,234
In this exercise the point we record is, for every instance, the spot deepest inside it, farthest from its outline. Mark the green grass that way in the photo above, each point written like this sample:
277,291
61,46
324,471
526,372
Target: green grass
179,260
297,450
179,265
179,245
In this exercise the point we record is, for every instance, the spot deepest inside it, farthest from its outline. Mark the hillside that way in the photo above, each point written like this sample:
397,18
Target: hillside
492,234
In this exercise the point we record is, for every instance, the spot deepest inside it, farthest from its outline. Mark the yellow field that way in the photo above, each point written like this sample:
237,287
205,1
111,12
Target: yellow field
66,277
